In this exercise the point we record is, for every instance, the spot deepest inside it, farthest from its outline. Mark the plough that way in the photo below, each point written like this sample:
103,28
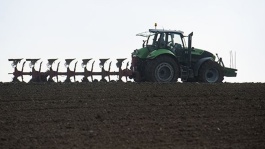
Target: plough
47,76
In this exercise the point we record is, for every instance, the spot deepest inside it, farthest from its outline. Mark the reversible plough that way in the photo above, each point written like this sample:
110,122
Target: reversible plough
47,76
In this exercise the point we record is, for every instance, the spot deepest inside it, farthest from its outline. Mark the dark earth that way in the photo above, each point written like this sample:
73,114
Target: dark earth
132,115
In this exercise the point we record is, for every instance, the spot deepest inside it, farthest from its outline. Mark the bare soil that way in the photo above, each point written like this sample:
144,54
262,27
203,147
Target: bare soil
132,115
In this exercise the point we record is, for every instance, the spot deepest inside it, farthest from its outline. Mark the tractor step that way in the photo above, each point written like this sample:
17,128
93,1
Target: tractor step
184,73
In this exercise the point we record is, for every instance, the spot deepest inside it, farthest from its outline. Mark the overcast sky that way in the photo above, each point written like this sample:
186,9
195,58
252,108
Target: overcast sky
106,29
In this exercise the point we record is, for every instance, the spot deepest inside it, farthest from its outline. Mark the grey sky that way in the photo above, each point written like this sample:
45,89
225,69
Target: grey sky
99,29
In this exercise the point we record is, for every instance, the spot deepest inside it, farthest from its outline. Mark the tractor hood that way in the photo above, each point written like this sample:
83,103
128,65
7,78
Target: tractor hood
200,53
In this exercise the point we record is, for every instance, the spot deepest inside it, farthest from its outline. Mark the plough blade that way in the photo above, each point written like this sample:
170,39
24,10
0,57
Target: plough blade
15,61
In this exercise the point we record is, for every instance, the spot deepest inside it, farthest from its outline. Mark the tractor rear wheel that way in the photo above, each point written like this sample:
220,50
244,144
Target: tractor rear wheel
211,72
162,69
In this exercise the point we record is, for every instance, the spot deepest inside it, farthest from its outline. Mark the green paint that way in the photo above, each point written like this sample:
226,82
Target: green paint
196,51
230,72
145,53
158,52
141,53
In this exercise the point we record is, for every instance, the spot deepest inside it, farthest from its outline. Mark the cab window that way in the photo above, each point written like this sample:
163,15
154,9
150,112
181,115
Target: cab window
177,41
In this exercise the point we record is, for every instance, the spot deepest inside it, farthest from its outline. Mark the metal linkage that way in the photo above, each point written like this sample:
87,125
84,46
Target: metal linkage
38,76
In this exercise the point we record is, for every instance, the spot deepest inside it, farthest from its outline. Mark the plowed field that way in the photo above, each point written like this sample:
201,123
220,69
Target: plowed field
132,115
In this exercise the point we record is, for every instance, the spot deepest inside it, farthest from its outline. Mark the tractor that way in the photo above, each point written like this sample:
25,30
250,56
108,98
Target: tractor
166,57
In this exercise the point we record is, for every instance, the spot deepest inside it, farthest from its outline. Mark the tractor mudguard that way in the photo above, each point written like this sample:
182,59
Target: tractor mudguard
199,63
158,52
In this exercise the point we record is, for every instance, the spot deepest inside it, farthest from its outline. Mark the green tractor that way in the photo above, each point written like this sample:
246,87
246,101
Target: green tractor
165,57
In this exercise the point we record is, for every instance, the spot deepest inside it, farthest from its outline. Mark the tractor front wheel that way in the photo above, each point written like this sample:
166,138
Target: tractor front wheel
211,72
162,69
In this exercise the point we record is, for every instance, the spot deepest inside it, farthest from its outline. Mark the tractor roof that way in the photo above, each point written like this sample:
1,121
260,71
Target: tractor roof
165,31
153,31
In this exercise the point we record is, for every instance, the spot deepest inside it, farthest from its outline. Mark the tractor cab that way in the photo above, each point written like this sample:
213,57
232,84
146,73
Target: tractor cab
163,39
